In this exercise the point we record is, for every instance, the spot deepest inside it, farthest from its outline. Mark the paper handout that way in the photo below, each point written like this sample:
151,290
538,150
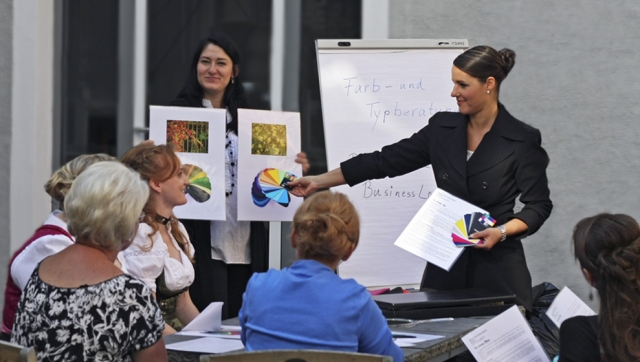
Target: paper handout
566,305
505,338
197,137
428,235
209,320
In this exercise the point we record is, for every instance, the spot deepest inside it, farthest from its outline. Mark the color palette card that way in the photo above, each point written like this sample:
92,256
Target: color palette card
271,184
469,224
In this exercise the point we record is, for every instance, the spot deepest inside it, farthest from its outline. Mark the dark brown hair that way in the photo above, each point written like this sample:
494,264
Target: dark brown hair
483,61
608,246
156,163
326,226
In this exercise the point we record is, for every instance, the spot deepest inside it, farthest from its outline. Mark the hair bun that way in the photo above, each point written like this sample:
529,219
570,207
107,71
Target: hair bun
509,58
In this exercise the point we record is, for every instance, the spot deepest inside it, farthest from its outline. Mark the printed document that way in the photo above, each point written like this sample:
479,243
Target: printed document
428,235
567,305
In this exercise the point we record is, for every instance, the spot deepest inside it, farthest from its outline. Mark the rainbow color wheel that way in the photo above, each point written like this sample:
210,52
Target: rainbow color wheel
271,184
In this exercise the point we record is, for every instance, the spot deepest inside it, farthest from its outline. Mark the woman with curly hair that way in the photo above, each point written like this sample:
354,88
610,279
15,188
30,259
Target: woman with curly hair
161,254
608,249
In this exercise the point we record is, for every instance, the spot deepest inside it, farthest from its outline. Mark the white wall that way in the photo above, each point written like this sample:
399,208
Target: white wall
31,116
576,80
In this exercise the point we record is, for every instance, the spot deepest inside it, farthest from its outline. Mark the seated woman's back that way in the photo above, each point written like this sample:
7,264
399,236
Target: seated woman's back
78,305
308,306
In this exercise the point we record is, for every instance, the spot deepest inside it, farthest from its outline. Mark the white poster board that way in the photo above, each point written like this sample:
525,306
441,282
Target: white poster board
198,137
267,140
375,93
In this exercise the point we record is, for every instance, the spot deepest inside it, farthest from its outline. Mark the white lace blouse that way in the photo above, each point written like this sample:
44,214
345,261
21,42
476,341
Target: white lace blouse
147,264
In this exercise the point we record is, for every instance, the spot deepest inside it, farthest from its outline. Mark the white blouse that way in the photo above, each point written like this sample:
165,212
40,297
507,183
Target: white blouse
230,237
147,257
25,263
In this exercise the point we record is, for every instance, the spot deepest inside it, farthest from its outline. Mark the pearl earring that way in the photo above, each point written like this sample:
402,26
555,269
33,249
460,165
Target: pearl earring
488,91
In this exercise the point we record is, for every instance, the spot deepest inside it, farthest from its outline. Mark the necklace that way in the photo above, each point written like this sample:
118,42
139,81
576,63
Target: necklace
231,167
163,220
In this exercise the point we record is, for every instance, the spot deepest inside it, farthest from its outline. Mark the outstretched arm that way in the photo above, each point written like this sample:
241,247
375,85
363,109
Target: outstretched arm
307,185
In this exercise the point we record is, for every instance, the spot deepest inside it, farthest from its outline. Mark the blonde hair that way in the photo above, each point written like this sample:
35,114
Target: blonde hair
104,203
326,227
156,162
61,180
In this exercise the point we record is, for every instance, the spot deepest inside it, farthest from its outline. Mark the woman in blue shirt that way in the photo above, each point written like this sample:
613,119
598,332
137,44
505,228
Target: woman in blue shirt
308,306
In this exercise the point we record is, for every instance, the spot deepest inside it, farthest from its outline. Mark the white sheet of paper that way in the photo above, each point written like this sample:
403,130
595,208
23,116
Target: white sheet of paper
215,333
372,98
209,320
505,338
567,305
207,345
251,163
428,235
418,338
211,159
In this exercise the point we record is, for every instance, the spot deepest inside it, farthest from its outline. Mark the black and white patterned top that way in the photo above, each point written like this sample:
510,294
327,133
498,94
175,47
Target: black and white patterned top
101,322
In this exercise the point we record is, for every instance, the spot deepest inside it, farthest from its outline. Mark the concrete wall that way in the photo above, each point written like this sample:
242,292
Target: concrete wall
576,78
6,43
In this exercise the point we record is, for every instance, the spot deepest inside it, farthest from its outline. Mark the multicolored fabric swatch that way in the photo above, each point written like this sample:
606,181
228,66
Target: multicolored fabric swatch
468,225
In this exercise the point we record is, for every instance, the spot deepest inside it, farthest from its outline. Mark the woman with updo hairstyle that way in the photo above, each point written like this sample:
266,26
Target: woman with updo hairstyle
47,240
481,154
308,306
608,249
79,306
161,254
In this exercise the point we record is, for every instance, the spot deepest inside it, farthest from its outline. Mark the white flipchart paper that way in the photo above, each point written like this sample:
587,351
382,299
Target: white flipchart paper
211,162
370,99
505,338
428,235
250,165
566,305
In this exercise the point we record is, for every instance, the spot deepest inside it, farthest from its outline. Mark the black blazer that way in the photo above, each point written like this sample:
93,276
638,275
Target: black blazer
508,162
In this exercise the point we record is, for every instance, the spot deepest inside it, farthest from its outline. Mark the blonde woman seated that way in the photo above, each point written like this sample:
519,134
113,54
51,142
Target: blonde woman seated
50,238
161,254
308,306
78,305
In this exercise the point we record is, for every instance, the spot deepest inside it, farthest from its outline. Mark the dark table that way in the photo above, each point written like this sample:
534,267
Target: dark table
437,350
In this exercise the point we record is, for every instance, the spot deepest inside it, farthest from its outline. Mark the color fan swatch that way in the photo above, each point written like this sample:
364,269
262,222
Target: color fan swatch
271,184
469,224
199,184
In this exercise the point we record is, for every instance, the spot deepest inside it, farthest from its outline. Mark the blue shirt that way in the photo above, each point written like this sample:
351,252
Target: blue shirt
307,306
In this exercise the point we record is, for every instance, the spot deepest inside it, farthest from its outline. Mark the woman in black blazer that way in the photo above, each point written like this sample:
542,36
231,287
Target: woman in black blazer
481,154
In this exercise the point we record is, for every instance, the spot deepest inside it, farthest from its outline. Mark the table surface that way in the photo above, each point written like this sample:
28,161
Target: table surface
436,350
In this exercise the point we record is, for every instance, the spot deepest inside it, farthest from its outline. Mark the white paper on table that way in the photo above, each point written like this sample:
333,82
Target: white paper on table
250,165
505,338
408,342
207,345
218,334
566,305
211,159
428,235
209,320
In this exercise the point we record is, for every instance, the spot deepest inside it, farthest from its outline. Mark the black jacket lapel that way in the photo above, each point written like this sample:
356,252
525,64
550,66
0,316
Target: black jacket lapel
495,145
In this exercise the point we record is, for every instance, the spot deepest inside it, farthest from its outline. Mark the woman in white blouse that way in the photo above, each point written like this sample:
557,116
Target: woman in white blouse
161,254
227,252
